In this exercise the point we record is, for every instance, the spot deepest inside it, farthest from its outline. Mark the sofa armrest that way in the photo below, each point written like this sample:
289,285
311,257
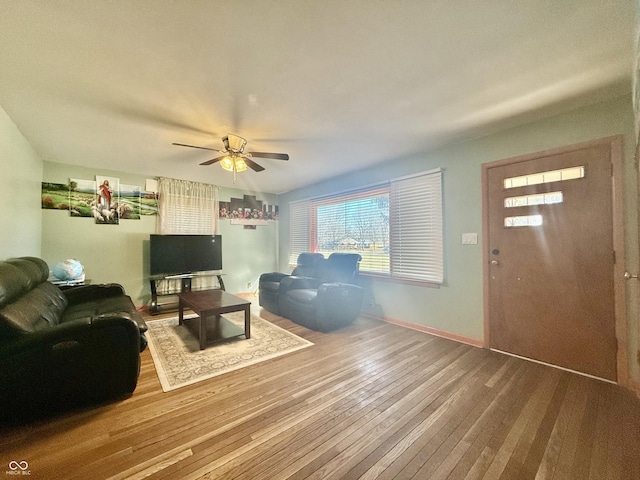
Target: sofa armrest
337,304
79,361
296,283
273,277
86,293
344,289
67,334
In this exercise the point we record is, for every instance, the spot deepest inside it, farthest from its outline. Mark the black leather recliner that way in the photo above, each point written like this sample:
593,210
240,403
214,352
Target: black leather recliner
269,284
61,349
328,301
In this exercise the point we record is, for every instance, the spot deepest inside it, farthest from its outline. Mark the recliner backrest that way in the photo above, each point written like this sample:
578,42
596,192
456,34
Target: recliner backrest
34,268
27,301
339,267
307,264
13,283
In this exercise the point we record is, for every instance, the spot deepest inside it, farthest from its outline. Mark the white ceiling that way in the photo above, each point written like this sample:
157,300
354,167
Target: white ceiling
335,84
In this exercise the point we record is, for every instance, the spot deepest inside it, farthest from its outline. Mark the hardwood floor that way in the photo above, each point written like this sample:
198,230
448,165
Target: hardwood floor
370,401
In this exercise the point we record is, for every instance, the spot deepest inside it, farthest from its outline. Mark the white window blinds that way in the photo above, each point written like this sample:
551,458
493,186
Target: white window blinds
416,228
395,227
299,230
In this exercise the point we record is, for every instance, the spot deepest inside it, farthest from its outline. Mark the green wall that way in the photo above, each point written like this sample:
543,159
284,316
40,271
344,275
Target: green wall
110,253
457,307
120,253
247,253
20,183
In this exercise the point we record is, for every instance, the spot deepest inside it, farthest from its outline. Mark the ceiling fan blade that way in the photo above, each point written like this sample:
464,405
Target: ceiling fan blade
195,146
213,160
274,156
253,165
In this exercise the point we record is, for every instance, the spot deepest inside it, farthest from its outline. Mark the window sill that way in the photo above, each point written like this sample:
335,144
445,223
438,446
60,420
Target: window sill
403,281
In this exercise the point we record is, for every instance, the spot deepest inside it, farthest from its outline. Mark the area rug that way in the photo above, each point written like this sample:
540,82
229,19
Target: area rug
180,362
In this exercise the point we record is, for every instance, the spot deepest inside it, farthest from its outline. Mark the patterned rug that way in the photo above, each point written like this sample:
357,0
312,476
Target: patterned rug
180,362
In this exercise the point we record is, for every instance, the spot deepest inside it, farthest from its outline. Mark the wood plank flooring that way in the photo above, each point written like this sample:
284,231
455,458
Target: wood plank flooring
371,401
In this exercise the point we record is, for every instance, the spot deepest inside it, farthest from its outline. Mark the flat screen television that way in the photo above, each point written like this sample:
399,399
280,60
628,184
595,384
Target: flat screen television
184,254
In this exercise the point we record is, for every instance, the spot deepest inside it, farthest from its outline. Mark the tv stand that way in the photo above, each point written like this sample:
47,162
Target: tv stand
169,302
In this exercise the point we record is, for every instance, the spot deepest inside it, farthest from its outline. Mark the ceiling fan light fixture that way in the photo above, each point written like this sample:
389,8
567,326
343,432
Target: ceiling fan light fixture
234,143
233,164
233,158
227,164
241,166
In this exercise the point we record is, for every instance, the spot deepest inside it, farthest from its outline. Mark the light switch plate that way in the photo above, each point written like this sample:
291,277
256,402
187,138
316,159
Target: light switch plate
469,238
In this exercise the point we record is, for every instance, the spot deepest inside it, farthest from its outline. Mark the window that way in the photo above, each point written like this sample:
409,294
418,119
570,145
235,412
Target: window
189,208
549,176
523,221
534,199
395,227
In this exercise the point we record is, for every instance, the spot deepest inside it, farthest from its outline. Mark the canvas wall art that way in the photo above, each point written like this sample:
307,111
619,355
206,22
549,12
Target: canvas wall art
148,203
82,197
129,204
107,200
248,211
55,196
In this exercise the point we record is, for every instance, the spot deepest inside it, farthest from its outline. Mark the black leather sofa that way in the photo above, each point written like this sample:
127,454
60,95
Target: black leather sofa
62,349
328,300
269,284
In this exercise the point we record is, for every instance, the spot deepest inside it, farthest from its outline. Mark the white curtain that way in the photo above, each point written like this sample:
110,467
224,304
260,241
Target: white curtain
186,207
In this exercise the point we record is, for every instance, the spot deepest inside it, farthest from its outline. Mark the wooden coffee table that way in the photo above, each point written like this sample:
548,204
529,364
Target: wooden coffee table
213,303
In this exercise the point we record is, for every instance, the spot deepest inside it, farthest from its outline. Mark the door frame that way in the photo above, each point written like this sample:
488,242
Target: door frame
620,295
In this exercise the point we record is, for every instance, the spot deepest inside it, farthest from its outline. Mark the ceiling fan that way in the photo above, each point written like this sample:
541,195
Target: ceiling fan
234,158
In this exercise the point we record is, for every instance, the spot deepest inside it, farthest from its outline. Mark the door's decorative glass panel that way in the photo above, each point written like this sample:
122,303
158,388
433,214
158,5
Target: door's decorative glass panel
523,221
545,177
535,199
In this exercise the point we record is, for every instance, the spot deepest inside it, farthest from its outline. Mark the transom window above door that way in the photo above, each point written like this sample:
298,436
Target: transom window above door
549,176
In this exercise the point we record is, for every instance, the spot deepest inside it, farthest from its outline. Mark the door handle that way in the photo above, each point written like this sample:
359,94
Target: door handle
629,276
